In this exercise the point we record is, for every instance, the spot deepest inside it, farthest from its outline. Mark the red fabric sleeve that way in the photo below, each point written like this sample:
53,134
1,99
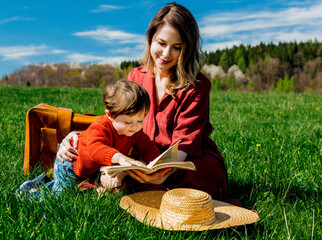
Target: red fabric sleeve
98,144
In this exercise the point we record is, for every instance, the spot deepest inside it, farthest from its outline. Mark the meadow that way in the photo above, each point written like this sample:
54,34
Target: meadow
272,145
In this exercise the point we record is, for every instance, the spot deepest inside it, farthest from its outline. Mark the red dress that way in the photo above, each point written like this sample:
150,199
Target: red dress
186,118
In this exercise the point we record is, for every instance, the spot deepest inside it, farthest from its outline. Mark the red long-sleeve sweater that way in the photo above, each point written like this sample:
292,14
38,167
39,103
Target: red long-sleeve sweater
100,142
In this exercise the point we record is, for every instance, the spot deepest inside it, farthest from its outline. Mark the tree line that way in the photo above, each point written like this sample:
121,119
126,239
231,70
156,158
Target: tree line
64,75
283,67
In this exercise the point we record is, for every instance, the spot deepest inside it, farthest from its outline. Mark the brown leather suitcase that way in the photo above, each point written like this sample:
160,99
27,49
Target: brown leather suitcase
46,126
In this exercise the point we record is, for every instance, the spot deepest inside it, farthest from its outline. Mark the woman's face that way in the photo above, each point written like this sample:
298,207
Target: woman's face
165,48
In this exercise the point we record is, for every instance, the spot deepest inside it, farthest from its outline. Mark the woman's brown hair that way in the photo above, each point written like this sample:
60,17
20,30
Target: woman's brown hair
190,59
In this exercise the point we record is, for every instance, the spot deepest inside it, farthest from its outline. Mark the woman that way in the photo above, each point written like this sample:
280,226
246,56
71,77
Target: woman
179,110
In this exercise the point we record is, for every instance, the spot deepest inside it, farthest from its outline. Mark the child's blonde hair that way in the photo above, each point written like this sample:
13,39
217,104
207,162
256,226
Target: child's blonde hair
126,97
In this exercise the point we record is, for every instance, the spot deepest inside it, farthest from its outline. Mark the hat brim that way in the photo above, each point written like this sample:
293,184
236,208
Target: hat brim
144,206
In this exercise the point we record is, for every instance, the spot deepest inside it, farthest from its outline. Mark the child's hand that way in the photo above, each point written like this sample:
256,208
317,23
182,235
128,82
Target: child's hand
126,161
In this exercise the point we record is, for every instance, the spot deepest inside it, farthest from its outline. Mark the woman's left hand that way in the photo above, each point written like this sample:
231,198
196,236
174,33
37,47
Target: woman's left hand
156,178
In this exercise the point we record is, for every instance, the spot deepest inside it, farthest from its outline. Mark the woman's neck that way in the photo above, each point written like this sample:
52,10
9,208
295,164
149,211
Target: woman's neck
161,74
160,86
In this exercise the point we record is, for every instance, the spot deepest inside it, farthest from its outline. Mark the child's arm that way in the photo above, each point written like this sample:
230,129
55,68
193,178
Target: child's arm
123,160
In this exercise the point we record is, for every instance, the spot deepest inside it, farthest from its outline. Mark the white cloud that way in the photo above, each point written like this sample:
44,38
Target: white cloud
130,50
81,58
298,36
9,20
14,19
87,58
294,23
22,52
209,47
108,36
106,8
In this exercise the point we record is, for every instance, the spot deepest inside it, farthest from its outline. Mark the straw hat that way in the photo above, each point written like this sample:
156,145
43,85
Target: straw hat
185,209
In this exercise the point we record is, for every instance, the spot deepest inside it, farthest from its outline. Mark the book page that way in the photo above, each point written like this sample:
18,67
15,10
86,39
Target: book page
170,155
113,170
188,165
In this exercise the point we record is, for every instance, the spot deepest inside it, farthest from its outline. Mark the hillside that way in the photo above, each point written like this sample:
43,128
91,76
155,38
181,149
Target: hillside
285,67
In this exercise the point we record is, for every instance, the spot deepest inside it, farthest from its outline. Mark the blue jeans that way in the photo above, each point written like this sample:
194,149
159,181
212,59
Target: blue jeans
64,177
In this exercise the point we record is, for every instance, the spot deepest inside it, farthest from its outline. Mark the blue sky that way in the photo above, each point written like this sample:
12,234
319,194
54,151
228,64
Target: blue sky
110,31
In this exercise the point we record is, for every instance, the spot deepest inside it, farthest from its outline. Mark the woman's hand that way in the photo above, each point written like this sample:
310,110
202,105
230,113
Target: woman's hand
155,178
68,147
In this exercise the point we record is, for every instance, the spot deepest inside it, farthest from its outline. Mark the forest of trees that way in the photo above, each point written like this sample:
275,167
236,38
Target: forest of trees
284,67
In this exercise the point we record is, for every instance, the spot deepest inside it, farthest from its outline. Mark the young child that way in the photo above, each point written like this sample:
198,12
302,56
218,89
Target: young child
110,139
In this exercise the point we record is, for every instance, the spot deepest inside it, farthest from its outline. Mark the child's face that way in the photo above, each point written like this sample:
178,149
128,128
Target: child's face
126,125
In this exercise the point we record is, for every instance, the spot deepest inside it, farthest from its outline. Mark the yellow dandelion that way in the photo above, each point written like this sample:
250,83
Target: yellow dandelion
273,139
292,108
280,112
258,145
317,109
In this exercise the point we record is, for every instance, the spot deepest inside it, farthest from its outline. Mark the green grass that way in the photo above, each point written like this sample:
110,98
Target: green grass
271,144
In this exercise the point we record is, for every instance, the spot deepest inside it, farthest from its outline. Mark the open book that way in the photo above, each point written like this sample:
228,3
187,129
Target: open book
168,158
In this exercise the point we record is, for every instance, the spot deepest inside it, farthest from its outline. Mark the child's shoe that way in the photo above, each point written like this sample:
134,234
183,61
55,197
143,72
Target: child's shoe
85,185
34,192
34,183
